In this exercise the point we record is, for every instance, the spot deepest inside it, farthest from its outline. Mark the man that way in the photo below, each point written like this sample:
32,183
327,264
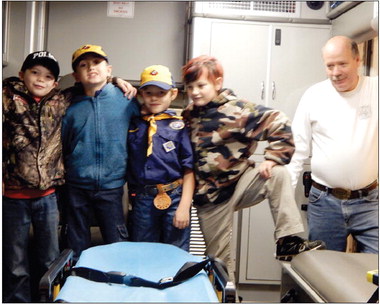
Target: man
337,121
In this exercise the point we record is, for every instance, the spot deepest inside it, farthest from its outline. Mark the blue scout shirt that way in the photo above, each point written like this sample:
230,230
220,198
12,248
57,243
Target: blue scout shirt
172,152
94,136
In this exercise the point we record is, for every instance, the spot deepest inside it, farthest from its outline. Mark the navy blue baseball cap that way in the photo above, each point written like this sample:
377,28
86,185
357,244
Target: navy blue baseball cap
44,58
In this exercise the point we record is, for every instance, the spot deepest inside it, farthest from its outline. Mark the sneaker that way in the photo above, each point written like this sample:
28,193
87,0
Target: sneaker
293,245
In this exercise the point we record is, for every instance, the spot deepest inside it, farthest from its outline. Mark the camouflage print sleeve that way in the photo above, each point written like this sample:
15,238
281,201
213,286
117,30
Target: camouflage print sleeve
5,133
73,91
7,98
265,124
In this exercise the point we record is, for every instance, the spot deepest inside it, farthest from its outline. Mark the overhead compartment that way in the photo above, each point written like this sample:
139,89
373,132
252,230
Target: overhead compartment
277,11
359,22
338,8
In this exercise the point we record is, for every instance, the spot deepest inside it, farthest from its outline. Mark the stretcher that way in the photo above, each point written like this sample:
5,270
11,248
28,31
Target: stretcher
154,263
325,276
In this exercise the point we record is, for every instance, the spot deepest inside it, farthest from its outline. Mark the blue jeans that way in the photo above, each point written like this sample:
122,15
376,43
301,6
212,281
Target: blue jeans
149,224
332,220
19,284
107,207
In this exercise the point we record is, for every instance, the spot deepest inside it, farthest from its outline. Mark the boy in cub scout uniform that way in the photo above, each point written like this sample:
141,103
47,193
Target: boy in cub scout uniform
160,176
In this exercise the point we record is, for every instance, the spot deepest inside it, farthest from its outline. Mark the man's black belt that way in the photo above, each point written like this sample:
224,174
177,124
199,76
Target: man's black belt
346,194
188,270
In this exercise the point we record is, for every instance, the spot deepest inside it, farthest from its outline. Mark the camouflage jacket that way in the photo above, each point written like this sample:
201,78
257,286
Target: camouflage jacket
224,134
32,149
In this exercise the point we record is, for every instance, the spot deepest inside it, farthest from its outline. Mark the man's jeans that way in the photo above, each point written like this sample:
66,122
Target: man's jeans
332,220
150,224
108,211
18,216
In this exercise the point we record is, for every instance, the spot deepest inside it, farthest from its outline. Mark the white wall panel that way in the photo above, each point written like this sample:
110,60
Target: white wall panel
155,35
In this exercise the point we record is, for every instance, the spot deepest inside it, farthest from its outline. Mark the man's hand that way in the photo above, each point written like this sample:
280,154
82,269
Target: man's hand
265,168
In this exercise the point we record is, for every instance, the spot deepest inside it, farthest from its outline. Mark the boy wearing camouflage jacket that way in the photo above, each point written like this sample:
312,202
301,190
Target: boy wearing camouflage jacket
32,168
225,132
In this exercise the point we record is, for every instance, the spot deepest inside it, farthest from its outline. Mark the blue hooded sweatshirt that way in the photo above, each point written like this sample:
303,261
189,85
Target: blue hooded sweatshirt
94,137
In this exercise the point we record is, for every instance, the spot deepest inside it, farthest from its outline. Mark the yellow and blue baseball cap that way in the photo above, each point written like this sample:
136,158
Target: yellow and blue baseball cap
86,49
157,75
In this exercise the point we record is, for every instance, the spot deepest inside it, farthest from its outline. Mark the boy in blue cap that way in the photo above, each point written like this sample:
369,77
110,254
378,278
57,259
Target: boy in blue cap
160,176
94,136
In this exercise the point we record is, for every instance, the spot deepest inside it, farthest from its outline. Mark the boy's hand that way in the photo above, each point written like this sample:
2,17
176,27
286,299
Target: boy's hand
265,168
181,218
128,90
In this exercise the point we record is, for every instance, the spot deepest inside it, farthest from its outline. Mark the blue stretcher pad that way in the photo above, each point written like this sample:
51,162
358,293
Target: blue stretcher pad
151,261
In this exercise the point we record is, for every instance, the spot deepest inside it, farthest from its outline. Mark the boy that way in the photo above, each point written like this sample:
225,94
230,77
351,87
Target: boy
32,168
160,176
94,136
224,133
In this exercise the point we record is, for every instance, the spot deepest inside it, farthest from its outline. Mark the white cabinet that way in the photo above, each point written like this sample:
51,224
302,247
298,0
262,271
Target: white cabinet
270,64
295,64
242,48
258,69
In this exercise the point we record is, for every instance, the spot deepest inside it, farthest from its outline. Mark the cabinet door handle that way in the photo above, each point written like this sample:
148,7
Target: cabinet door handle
262,90
273,90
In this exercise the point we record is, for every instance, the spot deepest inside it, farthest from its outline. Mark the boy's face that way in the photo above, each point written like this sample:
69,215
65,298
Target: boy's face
92,71
157,100
202,90
39,80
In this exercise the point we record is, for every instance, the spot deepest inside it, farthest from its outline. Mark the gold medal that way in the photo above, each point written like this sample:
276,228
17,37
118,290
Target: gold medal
162,201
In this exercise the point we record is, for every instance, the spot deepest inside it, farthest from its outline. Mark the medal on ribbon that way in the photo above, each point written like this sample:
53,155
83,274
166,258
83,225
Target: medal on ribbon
162,201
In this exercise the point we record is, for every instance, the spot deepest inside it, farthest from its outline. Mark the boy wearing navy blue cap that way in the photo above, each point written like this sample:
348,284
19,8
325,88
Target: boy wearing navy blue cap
160,176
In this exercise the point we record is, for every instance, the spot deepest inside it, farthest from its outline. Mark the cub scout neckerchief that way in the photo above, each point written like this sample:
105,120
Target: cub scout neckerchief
187,271
151,118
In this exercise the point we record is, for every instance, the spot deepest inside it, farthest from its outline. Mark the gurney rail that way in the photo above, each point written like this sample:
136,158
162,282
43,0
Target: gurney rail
225,289
55,277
